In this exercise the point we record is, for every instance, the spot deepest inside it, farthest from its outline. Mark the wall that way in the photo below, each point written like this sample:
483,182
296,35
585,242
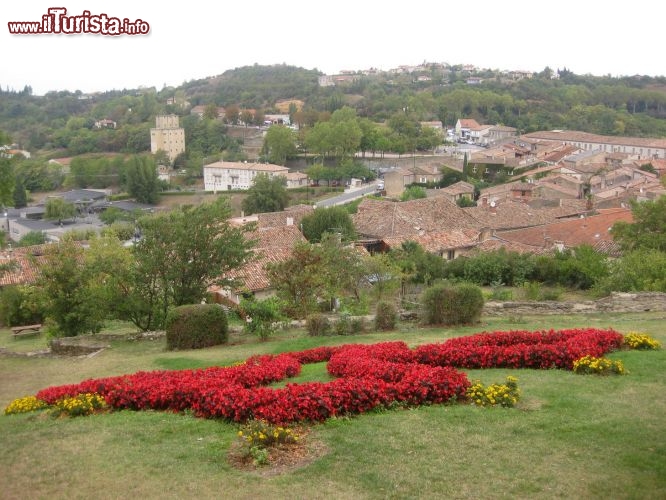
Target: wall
616,302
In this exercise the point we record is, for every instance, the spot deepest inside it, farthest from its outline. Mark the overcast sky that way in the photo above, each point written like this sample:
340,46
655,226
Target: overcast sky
195,39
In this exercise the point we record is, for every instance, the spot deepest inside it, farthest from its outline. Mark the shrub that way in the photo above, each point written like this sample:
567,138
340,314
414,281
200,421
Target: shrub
451,304
343,325
18,306
317,325
196,326
641,341
599,366
25,405
506,394
263,316
259,435
79,405
386,316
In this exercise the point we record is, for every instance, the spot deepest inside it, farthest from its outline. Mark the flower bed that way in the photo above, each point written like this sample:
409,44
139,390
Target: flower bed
369,376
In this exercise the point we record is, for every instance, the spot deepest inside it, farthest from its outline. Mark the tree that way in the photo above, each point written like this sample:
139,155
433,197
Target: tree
143,184
20,196
129,294
267,194
279,144
68,301
186,250
6,181
59,209
331,220
317,273
648,230
413,193
210,112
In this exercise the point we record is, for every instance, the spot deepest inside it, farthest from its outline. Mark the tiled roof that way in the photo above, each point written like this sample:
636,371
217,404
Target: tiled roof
276,219
510,214
575,136
587,230
460,187
470,123
25,262
237,165
438,242
383,219
272,245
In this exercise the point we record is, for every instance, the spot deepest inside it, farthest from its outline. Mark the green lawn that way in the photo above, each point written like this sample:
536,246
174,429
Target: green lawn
571,436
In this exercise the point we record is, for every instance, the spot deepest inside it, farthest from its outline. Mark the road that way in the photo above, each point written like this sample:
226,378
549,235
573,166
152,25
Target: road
346,197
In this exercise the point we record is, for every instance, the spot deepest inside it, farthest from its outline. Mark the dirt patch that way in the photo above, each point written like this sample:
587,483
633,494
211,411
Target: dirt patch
282,458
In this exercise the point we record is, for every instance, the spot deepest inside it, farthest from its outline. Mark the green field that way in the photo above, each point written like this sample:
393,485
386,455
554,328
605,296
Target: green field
571,436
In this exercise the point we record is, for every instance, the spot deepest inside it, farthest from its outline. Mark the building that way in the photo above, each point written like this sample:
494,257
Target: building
167,136
637,147
229,175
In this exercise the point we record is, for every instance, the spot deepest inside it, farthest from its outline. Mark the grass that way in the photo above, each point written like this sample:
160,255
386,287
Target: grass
570,436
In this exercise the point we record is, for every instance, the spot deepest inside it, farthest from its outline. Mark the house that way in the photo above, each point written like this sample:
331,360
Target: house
230,176
296,180
498,133
105,123
273,245
505,214
457,191
23,265
592,230
446,244
464,126
408,219
395,181
636,147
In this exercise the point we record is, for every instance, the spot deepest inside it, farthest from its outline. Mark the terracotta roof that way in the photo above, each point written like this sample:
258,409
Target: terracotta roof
460,187
276,219
509,214
272,245
576,136
560,153
587,230
438,242
383,219
25,262
470,123
238,165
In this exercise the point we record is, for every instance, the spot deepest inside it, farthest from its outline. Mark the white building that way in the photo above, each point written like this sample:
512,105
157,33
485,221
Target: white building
229,175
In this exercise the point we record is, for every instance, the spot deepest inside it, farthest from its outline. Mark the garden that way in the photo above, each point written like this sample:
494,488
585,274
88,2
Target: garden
496,410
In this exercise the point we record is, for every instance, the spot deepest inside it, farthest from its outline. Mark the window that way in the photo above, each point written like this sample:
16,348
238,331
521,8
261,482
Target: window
450,254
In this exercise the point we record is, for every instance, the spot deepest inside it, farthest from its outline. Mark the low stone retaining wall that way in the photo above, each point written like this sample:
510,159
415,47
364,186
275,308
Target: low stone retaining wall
617,302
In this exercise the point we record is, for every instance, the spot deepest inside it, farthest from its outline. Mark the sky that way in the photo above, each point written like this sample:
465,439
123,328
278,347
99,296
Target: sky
196,39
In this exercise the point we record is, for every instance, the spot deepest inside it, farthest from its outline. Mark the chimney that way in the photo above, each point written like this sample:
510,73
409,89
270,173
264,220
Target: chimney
484,201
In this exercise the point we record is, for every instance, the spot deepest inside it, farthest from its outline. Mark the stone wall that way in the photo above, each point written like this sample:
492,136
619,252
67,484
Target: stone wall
617,302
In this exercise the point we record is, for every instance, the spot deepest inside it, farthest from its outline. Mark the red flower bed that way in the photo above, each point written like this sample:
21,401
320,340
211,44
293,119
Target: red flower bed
368,376
520,349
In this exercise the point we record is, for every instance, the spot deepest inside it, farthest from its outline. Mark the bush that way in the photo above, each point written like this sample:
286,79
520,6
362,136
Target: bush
196,326
452,304
18,306
343,325
317,325
386,316
262,316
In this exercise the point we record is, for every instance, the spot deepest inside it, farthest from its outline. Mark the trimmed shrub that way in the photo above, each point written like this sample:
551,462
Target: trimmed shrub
196,326
451,304
317,325
386,316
